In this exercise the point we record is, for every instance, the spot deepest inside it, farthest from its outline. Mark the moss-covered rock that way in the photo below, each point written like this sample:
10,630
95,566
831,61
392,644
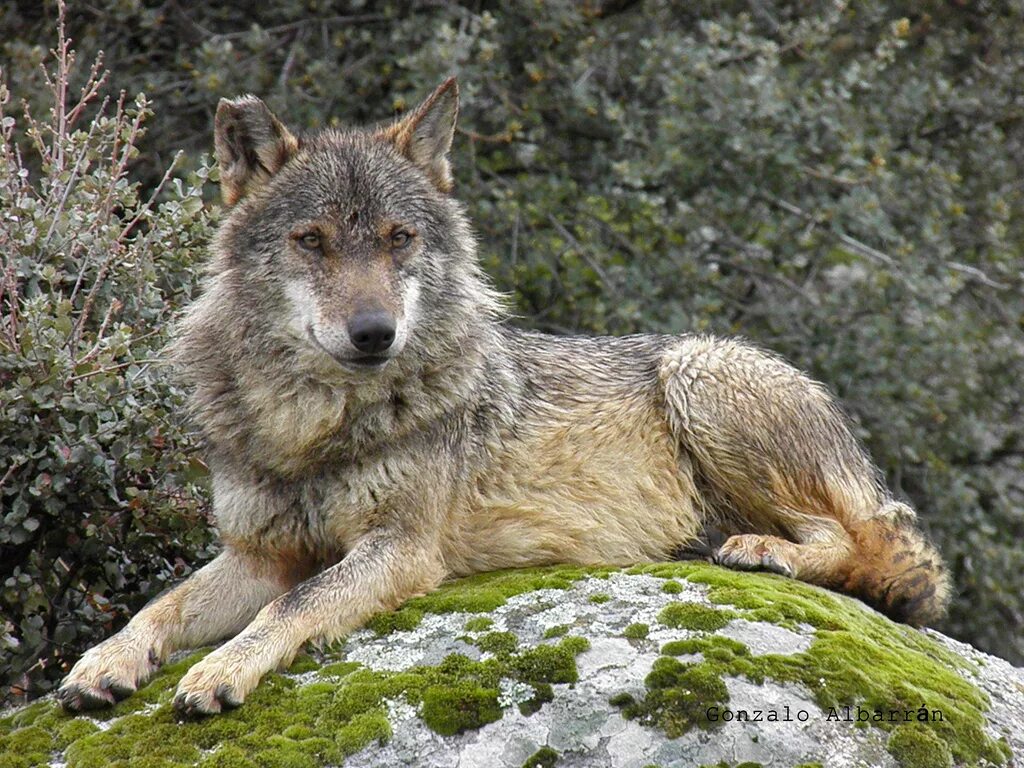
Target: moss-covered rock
625,668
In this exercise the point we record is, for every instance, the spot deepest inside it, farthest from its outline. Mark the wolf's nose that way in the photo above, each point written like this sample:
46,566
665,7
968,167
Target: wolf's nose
372,332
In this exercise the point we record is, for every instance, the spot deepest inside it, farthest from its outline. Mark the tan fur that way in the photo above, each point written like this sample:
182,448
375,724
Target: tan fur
583,484
343,486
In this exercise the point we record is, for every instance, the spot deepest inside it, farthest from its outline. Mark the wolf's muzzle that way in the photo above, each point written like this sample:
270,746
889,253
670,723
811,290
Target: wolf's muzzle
372,332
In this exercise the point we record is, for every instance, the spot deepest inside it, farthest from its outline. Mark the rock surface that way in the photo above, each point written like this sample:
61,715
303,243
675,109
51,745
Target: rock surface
664,665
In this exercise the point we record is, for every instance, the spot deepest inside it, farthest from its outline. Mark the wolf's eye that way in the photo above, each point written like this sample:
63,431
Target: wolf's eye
310,241
400,238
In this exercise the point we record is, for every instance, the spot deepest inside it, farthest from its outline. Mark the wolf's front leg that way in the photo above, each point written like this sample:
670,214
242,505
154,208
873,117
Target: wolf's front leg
215,602
382,571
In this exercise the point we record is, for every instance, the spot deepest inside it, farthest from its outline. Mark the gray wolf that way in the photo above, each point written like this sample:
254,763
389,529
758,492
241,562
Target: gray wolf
374,425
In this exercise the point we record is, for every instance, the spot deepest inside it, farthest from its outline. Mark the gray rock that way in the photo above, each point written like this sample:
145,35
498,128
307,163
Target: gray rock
731,668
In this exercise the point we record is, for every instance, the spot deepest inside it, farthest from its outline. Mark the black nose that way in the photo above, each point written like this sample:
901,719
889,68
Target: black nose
372,332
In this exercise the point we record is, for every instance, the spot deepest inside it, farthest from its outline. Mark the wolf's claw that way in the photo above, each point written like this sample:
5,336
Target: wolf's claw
76,697
195,704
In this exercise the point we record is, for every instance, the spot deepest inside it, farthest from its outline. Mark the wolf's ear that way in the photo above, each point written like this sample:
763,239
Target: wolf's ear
251,145
425,134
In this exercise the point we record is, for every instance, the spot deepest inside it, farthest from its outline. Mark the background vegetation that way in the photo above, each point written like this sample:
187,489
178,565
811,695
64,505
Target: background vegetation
841,182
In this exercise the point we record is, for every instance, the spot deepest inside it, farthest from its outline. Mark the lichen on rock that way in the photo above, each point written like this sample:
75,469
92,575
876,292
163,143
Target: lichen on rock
673,664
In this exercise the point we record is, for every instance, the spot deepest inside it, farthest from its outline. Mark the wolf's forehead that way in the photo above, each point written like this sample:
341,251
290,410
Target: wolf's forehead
340,176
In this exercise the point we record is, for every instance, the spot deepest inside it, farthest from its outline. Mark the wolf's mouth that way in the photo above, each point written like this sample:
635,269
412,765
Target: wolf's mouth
368,361
361,363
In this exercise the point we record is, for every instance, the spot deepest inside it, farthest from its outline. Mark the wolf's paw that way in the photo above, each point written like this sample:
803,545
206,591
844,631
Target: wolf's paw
107,673
752,551
213,685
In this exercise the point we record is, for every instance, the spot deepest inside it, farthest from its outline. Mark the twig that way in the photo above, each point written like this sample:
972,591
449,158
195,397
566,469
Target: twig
583,252
116,172
855,245
9,287
72,180
101,274
112,368
505,137
10,471
115,307
977,274
289,62
846,181
357,19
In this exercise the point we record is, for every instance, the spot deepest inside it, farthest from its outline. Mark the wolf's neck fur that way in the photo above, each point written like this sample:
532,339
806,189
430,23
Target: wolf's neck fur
268,404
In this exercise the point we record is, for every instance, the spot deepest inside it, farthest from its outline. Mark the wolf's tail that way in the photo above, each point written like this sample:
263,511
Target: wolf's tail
896,569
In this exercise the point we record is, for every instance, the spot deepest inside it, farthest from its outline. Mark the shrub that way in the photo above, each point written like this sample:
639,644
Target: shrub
96,482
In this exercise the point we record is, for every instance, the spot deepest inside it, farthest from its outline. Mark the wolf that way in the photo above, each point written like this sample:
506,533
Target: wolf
374,425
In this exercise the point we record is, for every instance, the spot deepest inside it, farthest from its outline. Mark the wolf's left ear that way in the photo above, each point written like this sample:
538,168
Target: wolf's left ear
425,134
251,145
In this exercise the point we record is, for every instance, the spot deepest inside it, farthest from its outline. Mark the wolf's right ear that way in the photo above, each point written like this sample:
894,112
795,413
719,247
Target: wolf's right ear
251,145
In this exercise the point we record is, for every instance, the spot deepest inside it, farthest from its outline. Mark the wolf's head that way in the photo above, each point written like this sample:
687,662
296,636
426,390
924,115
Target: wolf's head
347,242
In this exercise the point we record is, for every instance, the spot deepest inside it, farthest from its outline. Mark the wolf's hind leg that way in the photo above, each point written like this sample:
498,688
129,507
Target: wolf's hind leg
776,457
215,602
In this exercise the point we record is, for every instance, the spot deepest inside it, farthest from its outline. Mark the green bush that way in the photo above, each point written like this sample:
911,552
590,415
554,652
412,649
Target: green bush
96,481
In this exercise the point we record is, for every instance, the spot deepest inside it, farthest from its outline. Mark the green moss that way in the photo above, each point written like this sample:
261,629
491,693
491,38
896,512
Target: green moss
543,693
1004,748
362,729
402,620
339,669
722,649
550,663
636,631
479,624
672,587
27,716
227,756
482,594
857,658
451,710
487,591
694,616
73,730
600,598
498,643
303,663
545,757
298,732
42,729
556,631
26,747
915,746
575,645
678,697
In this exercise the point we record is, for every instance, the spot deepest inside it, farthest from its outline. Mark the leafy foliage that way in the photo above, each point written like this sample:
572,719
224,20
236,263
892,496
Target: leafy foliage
99,512
839,182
